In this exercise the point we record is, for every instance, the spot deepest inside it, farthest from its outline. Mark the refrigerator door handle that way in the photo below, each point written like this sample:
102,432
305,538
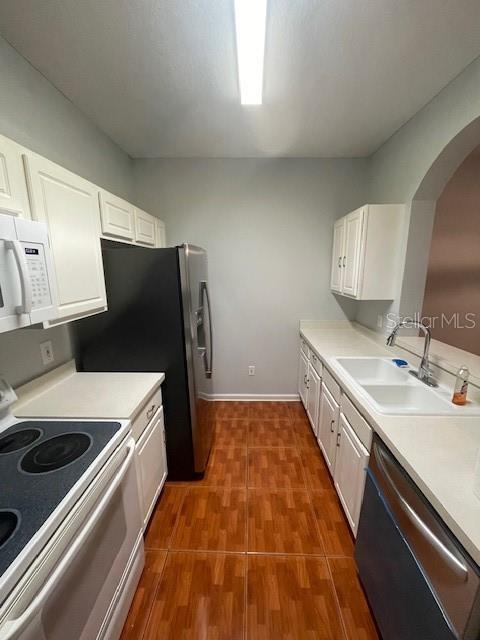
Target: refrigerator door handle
208,360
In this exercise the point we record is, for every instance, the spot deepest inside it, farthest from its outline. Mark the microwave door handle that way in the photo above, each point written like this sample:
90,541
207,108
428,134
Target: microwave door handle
209,361
25,282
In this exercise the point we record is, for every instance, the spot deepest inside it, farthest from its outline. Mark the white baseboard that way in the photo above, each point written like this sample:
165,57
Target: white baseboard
253,397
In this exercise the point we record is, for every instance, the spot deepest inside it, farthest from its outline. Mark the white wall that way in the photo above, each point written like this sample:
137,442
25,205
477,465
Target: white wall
267,226
35,114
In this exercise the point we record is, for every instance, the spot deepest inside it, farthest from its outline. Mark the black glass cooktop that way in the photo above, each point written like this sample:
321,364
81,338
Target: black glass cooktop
39,464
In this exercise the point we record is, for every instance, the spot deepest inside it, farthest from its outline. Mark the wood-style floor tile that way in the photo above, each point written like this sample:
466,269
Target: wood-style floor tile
291,597
316,472
230,433
282,521
226,468
164,517
229,410
269,410
332,524
274,432
144,596
201,596
305,438
353,603
275,468
297,411
212,519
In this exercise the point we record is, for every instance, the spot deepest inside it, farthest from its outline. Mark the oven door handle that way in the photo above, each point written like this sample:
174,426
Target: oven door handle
25,282
12,628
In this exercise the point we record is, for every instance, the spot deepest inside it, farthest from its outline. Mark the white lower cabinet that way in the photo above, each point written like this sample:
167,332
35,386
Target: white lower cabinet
302,378
313,396
151,464
350,464
327,427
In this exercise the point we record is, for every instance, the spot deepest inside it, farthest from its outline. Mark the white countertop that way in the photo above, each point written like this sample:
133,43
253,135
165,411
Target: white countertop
66,393
438,452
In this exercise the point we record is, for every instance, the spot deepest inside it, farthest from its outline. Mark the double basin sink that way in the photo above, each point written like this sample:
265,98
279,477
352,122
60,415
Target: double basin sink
393,390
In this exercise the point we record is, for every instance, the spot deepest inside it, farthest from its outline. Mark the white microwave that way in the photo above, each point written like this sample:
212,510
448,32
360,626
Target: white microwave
27,280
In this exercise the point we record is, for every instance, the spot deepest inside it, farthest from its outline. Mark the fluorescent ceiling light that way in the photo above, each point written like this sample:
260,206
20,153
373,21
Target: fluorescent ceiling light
250,21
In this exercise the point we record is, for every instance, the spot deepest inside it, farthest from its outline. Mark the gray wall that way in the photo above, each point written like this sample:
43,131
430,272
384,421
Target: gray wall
35,114
267,226
414,165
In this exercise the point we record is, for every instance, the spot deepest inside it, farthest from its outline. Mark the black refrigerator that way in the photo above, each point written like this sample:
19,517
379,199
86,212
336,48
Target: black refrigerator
159,319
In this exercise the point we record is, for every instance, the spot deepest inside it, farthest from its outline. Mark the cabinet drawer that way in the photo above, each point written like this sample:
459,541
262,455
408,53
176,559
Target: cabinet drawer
316,363
146,413
331,384
304,347
358,423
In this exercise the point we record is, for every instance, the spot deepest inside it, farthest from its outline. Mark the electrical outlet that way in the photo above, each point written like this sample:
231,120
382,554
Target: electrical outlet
251,370
46,351
379,321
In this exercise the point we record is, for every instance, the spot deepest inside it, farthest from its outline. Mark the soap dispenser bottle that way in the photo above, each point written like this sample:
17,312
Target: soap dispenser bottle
461,386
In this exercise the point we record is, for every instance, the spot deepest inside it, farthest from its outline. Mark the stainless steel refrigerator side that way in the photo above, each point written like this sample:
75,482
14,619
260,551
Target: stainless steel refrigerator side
188,331
193,273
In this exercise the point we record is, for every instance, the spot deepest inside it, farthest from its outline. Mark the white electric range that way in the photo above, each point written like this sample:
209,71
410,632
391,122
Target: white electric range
71,545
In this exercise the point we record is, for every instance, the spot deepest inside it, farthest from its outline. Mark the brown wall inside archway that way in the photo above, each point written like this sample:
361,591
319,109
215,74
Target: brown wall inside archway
453,277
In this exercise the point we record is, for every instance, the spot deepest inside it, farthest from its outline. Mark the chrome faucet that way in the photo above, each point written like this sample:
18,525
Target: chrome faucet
424,373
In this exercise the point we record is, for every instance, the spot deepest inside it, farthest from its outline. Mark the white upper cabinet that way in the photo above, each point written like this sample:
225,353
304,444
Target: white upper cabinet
13,186
337,255
69,206
144,228
160,234
367,245
117,215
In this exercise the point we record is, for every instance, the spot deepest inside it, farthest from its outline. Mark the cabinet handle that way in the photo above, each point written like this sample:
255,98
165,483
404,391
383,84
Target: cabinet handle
151,411
332,422
340,261
344,261
338,438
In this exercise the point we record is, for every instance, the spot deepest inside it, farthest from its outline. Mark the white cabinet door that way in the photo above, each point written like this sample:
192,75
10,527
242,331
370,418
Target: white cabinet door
350,465
160,234
13,184
327,427
151,465
338,255
313,398
302,378
144,228
117,217
353,248
69,206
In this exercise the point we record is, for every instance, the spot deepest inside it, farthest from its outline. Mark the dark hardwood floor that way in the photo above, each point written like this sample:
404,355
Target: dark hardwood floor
257,550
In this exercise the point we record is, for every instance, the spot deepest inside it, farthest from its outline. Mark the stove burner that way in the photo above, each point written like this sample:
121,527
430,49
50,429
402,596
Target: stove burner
18,440
8,525
55,453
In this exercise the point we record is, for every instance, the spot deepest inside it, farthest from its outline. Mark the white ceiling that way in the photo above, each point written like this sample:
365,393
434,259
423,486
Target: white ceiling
160,77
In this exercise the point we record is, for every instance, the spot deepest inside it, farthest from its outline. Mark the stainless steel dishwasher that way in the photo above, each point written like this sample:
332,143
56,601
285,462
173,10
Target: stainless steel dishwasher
420,582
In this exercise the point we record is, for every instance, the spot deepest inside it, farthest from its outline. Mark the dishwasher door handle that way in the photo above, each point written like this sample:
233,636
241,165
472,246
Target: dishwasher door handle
448,555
